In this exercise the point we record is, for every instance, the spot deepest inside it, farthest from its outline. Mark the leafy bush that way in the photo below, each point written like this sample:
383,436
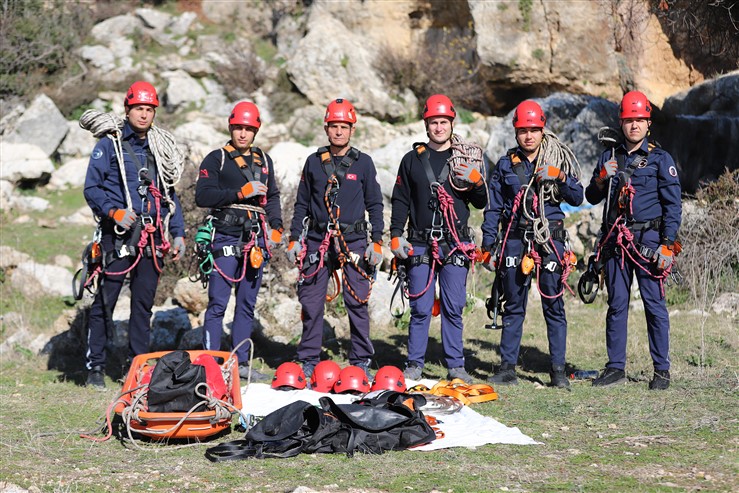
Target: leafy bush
38,42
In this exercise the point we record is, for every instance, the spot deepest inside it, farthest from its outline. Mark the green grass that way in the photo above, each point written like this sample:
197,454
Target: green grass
620,439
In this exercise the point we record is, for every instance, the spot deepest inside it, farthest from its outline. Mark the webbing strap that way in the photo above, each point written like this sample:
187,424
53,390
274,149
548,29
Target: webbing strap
253,172
346,162
423,155
463,392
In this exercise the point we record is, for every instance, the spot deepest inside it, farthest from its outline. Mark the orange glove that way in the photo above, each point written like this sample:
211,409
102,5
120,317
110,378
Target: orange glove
275,238
608,170
293,251
548,172
400,247
469,174
123,217
252,189
663,257
373,254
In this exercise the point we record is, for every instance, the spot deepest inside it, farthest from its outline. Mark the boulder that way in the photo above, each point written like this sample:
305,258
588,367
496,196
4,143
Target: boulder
191,295
99,56
7,195
182,90
727,303
42,125
24,163
116,27
289,158
168,326
35,280
153,19
69,175
78,142
349,60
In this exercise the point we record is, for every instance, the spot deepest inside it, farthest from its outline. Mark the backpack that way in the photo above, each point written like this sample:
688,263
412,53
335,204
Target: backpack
369,426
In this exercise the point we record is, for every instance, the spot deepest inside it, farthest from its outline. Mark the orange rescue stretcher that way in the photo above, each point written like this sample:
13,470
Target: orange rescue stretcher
194,424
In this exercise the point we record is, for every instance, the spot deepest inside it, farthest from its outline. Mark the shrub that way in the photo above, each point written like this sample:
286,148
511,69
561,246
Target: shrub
448,65
38,42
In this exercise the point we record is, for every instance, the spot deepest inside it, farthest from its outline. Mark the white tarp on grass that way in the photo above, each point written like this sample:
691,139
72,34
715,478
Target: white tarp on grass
466,428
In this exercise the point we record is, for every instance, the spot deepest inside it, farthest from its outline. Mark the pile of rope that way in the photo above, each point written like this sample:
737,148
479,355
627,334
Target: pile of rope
552,151
464,152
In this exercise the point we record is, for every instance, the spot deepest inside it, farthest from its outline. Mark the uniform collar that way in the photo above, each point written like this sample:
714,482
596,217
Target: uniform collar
128,134
643,148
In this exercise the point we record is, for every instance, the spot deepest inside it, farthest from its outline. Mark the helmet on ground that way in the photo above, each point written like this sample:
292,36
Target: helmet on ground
439,105
245,113
635,105
529,114
289,374
141,92
325,375
389,378
352,379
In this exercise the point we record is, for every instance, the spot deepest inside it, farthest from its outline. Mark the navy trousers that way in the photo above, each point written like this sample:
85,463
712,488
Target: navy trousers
618,283
452,298
312,296
516,290
144,280
219,292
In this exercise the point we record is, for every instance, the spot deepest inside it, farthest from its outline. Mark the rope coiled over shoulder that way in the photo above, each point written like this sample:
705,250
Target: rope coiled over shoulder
465,152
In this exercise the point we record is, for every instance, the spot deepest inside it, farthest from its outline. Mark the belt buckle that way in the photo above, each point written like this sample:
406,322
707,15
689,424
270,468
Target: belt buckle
229,251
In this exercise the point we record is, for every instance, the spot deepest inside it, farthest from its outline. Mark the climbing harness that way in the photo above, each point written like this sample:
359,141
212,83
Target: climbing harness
460,390
333,232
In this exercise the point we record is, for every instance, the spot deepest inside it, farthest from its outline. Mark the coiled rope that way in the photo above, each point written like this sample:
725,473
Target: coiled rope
170,159
464,152
556,153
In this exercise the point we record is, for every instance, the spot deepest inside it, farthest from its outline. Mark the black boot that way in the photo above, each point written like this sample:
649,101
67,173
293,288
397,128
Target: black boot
96,378
610,376
558,377
506,375
660,381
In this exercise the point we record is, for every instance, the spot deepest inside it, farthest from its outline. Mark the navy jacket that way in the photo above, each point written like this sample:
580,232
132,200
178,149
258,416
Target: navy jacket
503,186
656,188
220,180
412,193
104,190
359,193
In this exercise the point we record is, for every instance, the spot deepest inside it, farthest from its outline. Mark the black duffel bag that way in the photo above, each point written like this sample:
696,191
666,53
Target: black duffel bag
173,384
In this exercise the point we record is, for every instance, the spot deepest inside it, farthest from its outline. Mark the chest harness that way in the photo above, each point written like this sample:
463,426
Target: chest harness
253,223
535,231
164,164
334,232
443,227
619,224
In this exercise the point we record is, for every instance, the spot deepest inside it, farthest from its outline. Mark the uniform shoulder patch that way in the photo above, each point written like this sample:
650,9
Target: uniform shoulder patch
203,173
672,171
97,153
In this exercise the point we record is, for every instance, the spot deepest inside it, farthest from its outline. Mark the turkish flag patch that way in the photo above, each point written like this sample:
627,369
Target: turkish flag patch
397,180
203,173
351,176
265,170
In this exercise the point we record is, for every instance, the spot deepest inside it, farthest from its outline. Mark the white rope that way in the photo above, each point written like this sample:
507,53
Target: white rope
554,152
169,158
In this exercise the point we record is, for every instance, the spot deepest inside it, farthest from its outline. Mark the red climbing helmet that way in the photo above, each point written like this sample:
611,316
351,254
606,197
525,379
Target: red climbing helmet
352,379
289,375
439,105
141,92
529,114
340,110
635,105
325,375
389,378
245,113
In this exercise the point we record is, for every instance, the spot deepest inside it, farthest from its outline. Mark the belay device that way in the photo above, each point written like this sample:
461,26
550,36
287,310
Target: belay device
87,277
